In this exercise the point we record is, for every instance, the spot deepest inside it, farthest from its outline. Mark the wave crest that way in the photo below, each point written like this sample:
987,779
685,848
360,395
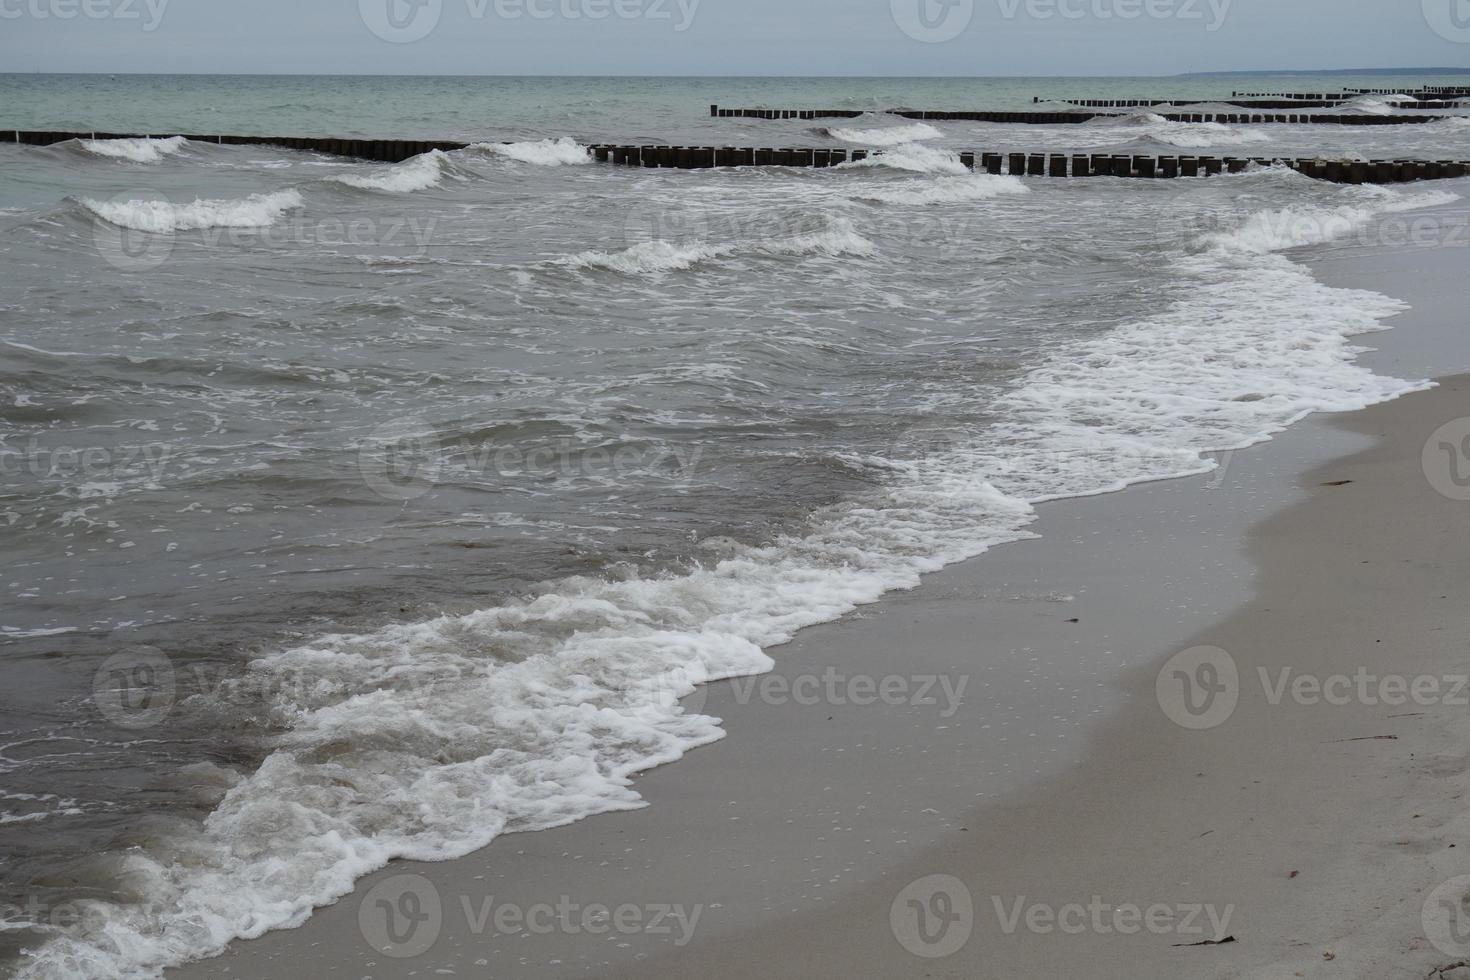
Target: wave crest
914,157
563,152
139,150
659,256
946,190
415,174
165,217
889,136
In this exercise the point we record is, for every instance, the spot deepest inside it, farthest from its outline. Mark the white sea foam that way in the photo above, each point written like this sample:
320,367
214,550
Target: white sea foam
1370,105
427,741
1151,125
163,217
415,174
913,157
889,136
16,633
1291,227
945,190
658,256
547,153
139,150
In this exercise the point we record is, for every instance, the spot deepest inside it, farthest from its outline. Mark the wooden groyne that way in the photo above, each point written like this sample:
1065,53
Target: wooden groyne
1037,164
1437,92
702,157
386,151
1325,102
1432,90
1074,117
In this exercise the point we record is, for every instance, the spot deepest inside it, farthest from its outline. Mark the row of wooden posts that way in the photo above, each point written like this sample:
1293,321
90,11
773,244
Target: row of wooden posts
386,151
1073,118
1351,93
697,157
1037,164
1324,102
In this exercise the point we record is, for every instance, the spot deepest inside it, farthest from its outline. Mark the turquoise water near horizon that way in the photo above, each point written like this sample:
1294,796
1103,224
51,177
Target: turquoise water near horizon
629,109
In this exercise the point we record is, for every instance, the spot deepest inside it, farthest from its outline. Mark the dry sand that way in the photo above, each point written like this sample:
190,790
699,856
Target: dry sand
1057,786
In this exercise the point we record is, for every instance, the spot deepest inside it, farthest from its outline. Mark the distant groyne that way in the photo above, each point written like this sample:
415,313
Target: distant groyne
1073,117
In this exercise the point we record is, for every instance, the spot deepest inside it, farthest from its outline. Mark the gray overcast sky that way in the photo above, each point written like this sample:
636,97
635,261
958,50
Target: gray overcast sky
729,37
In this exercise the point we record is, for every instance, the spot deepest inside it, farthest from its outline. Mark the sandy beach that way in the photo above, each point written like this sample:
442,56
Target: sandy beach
1207,727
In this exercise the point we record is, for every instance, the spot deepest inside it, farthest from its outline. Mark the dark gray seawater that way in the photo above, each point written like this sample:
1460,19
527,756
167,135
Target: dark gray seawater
424,486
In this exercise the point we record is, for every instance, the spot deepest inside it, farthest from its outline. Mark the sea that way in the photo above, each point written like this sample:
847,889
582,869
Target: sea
356,511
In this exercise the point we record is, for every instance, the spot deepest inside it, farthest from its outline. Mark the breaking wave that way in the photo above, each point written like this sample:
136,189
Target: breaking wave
163,217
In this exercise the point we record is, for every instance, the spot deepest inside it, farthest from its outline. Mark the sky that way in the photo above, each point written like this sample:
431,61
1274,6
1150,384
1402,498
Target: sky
729,37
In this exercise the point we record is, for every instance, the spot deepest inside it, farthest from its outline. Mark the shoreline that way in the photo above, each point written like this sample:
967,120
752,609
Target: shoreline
878,792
